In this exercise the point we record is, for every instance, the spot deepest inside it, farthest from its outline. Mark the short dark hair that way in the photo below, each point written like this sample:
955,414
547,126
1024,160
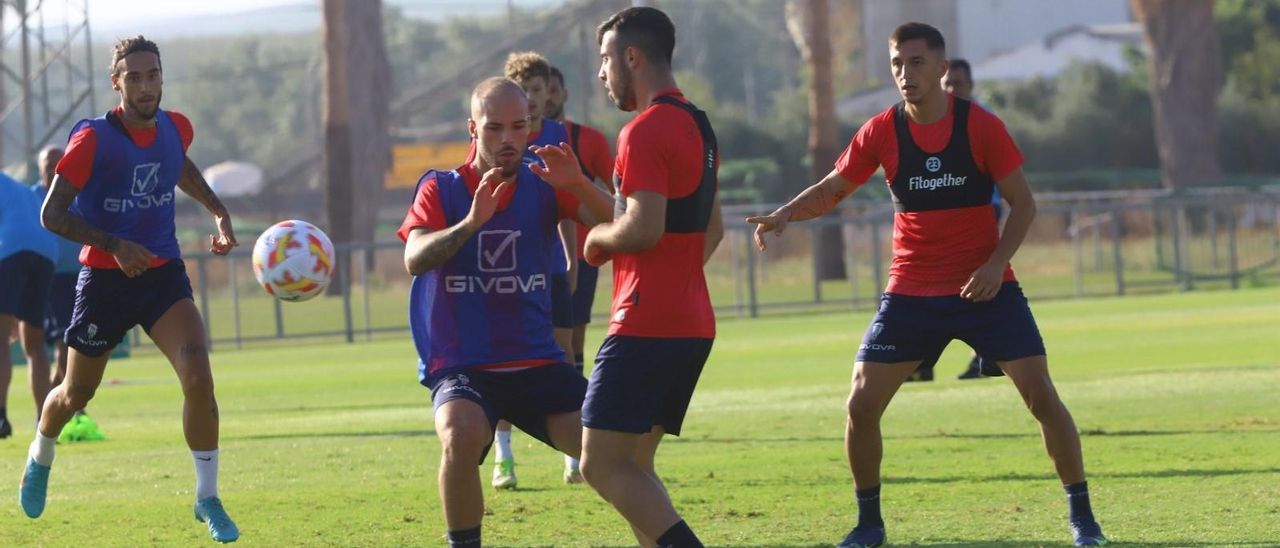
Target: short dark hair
644,28
958,63
127,46
913,30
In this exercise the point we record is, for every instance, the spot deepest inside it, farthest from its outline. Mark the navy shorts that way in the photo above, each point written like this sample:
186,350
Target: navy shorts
524,398
23,292
109,304
584,295
908,328
62,300
642,382
561,301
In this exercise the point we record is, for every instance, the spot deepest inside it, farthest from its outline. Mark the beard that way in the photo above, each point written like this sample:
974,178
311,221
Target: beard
554,112
146,113
509,167
625,97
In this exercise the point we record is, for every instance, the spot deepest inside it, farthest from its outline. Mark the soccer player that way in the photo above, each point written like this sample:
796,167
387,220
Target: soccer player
958,81
532,72
480,242
595,159
662,325
62,295
114,192
950,276
27,253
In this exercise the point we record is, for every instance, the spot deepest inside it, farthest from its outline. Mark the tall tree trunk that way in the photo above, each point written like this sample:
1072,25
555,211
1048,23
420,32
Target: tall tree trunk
1186,75
357,86
808,21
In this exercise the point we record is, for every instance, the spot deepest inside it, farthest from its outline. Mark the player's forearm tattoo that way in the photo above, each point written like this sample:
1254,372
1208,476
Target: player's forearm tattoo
193,183
56,217
437,248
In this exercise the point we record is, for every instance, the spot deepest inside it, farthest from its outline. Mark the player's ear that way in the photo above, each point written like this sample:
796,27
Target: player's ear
471,128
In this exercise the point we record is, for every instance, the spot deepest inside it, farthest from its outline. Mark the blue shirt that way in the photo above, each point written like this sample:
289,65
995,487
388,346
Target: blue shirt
68,251
490,303
20,228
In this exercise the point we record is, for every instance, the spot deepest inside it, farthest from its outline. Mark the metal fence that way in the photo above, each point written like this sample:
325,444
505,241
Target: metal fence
1081,244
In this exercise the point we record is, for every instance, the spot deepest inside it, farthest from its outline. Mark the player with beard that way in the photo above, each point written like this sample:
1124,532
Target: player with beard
114,192
667,225
479,242
950,277
595,158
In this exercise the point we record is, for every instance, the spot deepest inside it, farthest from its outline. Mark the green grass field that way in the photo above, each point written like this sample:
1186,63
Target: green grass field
331,444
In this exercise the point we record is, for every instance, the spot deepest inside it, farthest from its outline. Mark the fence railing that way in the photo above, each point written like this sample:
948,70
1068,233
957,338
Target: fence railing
1079,245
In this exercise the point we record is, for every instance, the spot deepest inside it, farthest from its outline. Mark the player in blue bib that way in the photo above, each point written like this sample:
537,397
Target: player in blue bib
480,242
114,192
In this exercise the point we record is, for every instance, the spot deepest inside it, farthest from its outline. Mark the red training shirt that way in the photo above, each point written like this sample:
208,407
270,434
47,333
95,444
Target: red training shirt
594,153
931,233
661,291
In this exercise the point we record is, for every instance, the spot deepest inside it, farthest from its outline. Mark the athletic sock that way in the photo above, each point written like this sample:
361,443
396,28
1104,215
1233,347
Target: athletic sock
869,508
577,363
42,449
570,462
679,536
469,538
1078,502
206,473
503,441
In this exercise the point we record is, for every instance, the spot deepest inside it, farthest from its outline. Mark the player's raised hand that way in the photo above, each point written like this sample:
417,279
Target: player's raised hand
562,169
133,258
226,238
488,195
984,283
773,222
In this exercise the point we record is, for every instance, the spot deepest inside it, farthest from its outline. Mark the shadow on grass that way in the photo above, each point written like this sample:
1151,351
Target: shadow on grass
942,434
982,544
425,405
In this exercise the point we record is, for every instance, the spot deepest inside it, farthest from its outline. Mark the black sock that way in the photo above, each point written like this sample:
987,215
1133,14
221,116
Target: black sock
3,413
469,538
1078,502
679,536
869,508
577,363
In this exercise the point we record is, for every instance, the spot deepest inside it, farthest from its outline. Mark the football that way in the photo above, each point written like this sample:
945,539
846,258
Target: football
293,260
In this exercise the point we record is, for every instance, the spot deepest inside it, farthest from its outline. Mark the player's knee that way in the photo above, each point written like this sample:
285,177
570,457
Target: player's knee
862,408
465,442
77,396
198,382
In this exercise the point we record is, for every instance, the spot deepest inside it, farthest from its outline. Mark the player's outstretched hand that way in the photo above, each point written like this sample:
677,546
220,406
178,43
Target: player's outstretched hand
133,258
563,170
226,238
773,222
984,283
490,192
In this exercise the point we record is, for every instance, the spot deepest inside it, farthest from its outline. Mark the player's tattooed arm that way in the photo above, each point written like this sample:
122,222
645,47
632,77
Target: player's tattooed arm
820,198
193,184
425,249
56,216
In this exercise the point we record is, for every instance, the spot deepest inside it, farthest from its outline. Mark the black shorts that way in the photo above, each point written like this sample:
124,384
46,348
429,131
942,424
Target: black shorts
524,398
584,295
109,304
561,301
909,328
642,382
62,300
25,286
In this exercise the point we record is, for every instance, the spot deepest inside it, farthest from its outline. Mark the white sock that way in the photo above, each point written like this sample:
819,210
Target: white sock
42,449
206,473
503,439
570,462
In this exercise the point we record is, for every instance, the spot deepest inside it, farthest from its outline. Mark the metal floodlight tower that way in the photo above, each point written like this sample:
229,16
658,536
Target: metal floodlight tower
46,72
